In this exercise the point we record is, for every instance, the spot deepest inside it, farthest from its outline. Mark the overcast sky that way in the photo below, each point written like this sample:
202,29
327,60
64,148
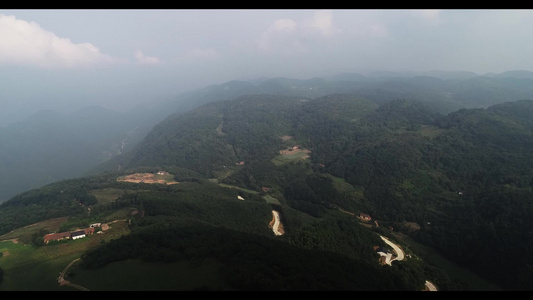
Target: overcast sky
118,58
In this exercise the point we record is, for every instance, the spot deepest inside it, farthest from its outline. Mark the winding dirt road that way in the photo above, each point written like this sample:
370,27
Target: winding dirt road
399,252
400,256
61,280
277,223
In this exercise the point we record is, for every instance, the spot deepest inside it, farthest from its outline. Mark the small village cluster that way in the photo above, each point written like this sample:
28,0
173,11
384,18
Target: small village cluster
77,234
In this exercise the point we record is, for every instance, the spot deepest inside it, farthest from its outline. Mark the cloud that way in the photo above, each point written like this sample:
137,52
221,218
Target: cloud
141,59
288,36
321,21
26,43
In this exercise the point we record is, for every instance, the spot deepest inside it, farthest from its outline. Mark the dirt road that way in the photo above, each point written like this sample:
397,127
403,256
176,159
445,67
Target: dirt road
61,280
275,227
399,252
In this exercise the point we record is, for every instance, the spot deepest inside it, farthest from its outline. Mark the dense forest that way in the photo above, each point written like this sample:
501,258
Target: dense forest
49,146
462,177
465,177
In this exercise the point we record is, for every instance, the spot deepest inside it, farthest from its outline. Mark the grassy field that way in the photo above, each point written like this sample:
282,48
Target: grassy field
282,159
238,188
24,234
29,268
109,195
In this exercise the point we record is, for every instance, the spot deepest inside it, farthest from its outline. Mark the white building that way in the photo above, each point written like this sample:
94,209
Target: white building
78,234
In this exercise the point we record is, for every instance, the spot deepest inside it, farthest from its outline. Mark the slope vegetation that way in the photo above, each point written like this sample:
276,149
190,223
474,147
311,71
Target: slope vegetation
460,183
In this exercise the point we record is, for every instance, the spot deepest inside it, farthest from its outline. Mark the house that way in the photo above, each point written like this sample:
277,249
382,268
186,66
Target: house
56,237
364,217
89,230
68,235
77,234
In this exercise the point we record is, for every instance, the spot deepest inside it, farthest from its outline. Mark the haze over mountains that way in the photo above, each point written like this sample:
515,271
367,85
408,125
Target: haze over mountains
48,145
444,160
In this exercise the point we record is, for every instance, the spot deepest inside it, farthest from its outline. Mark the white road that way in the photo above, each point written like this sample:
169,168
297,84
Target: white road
430,286
400,256
398,250
276,223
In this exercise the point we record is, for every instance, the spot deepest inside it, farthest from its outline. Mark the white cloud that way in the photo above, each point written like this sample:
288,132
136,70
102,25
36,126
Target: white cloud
288,36
26,43
146,60
322,21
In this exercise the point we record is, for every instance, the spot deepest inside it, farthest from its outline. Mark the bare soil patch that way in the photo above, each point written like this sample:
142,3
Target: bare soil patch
295,150
148,178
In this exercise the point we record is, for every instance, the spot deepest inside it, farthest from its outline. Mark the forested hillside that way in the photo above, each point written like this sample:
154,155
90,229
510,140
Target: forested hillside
50,146
464,178
459,182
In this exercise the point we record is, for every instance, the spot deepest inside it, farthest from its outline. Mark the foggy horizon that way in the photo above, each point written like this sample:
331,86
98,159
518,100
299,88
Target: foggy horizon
68,59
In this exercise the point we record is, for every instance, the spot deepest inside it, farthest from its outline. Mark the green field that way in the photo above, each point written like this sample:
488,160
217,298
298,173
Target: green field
282,159
30,268
33,269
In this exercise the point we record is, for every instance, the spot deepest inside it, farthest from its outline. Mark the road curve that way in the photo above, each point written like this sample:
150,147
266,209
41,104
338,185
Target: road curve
430,286
276,223
397,249
61,280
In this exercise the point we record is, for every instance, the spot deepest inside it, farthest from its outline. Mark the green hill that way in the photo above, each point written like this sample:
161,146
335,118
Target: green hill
459,183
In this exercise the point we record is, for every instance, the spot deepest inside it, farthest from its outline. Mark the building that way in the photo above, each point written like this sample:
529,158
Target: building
56,237
364,217
89,230
77,234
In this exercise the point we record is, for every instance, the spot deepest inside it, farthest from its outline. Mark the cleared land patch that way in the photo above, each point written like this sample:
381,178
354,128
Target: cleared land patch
159,177
291,154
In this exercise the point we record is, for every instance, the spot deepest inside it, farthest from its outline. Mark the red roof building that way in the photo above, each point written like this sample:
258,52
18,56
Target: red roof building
56,236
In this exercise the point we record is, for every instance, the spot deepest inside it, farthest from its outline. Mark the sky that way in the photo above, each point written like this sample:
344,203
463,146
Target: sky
66,59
